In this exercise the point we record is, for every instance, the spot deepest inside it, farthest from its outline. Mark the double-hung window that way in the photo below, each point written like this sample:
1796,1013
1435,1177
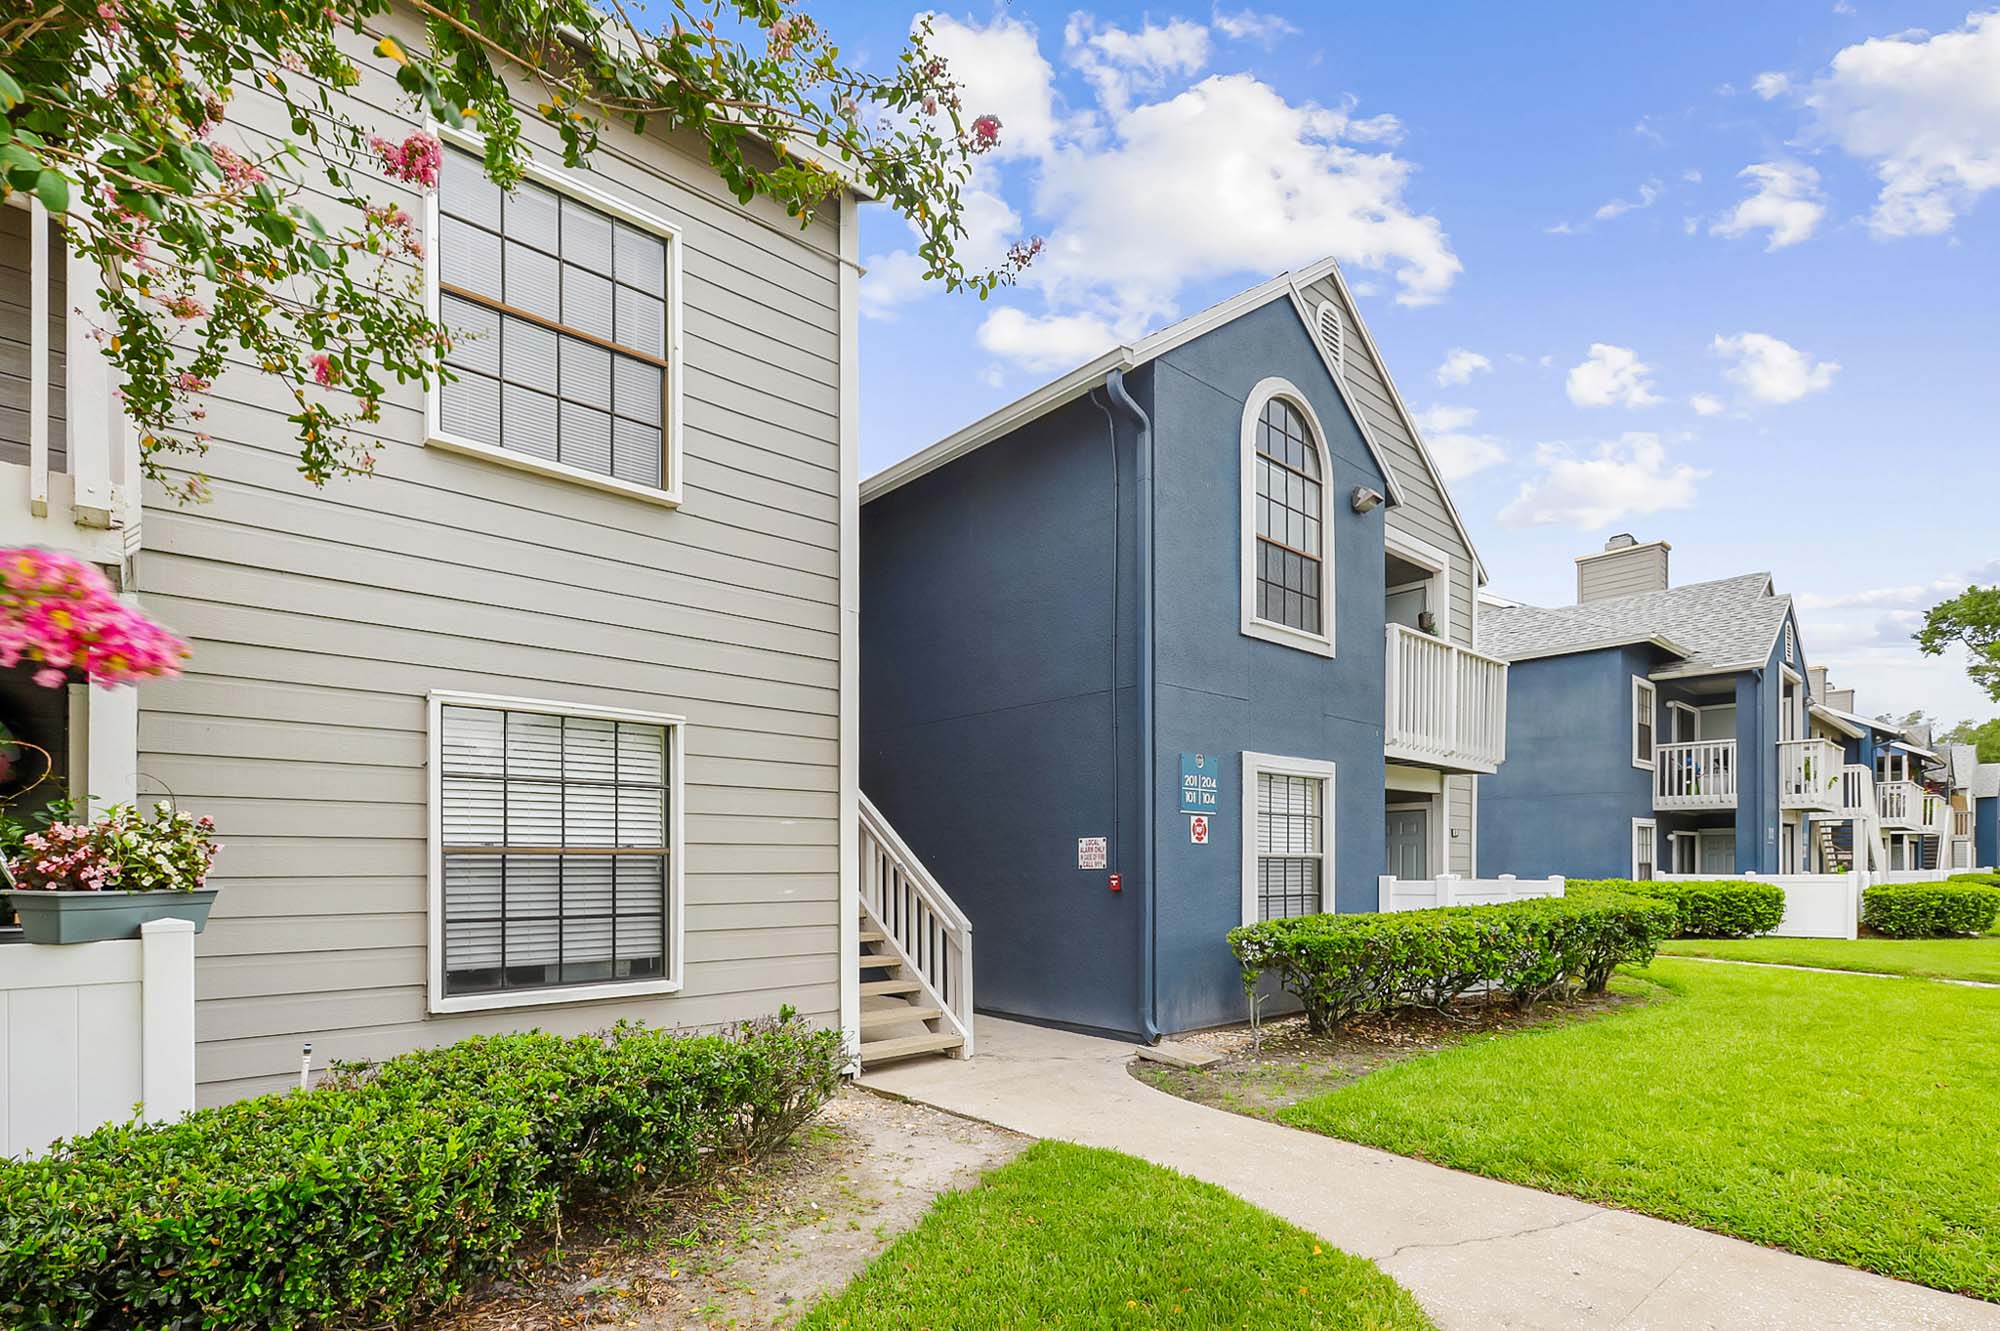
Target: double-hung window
554,852
561,305
1645,702
1645,841
1287,832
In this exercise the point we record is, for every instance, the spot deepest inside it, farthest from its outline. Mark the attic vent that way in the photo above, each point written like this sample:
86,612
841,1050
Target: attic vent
1791,643
1327,320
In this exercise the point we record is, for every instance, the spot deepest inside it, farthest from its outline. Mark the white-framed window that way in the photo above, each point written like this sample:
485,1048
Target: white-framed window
1683,722
1645,699
1287,545
555,833
1645,849
1287,836
1332,336
564,304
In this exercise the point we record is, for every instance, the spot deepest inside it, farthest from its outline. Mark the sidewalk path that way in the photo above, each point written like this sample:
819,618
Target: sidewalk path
1481,1255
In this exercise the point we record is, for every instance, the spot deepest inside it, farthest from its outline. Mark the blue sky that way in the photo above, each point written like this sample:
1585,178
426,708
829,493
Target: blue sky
1714,273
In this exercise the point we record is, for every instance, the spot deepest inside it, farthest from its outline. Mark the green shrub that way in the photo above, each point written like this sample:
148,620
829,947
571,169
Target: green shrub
1711,908
1964,907
1341,965
384,1191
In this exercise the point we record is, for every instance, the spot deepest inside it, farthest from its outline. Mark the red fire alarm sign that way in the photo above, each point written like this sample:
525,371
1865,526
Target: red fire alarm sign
1117,883
1198,829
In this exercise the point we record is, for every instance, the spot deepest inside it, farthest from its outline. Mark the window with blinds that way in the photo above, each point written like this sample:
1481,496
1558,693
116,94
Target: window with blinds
1290,512
559,314
1291,845
554,840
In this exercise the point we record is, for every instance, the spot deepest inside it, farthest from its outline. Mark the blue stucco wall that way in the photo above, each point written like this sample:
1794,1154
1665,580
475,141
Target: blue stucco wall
1564,801
1986,832
987,693
1222,692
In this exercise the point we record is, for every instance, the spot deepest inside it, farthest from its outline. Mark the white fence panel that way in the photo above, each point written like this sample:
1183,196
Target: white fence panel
1912,875
90,1030
1393,894
1819,905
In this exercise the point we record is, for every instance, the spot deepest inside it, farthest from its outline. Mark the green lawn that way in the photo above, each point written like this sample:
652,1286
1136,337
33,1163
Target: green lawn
1070,1237
1953,958
1844,1118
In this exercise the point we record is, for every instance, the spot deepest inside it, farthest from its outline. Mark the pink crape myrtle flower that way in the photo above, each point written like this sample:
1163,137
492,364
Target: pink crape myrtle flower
415,160
61,614
325,373
985,132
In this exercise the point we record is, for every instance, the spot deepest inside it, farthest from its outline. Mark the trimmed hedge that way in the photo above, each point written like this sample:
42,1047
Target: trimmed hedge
385,1191
1341,965
1711,908
1964,907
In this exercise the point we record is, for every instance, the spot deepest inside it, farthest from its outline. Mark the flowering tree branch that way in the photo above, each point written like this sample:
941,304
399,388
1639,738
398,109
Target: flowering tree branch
111,112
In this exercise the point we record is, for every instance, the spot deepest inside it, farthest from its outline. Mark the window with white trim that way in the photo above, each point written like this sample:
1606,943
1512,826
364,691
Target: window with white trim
555,831
1644,706
1290,513
1645,838
561,315
1287,830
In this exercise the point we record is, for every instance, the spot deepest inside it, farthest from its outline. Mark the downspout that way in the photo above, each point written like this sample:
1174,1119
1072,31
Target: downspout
1114,387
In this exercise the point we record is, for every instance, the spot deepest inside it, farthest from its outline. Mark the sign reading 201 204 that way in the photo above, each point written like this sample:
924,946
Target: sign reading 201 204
1201,783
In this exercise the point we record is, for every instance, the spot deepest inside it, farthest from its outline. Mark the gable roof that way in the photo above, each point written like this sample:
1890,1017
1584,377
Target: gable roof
1986,781
1040,401
1731,623
1964,762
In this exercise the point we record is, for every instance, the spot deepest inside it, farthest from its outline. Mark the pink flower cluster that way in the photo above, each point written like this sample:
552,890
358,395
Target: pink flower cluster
61,612
985,133
415,160
234,167
400,227
325,373
121,851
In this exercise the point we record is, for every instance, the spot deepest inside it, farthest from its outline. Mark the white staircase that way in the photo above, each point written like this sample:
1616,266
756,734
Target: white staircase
1859,810
916,954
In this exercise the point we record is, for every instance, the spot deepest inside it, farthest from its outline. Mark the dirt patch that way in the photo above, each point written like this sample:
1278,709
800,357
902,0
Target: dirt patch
756,1245
1290,1065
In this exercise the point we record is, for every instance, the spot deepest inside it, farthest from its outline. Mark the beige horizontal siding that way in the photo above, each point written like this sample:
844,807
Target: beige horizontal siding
16,345
321,618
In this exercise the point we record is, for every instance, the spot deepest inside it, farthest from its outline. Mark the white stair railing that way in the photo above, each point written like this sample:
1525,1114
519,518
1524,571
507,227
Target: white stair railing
1899,803
1859,802
1699,775
1808,774
923,926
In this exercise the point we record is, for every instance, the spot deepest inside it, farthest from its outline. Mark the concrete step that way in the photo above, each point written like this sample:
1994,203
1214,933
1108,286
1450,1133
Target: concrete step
909,1046
900,1015
880,988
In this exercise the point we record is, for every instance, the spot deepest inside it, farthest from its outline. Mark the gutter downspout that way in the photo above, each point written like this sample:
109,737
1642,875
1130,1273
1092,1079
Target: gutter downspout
1114,387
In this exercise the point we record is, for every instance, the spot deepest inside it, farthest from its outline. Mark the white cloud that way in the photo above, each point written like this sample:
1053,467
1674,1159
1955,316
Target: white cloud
1049,341
896,278
1611,377
1626,477
892,280
1771,370
1649,191
1457,451
1913,596
1249,25
1706,404
1000,71
1770,84
1692,175
993,375
1924,111
1119,63
1786,202
1459,367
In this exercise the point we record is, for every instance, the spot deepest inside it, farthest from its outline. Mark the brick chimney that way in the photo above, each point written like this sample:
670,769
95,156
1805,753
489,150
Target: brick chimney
1624,567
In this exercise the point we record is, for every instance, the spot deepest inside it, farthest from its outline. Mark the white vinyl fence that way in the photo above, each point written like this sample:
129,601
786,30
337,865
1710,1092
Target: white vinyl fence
1915,875
1452,890
90,1030
1817,905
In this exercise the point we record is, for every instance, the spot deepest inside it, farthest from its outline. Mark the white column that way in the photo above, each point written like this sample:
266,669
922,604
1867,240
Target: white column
1385,893
111,771
167,1018
850,627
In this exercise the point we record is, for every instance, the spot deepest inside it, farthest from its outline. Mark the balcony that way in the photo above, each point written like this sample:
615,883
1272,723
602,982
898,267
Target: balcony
1809,774
1698,775
1445,706
1900,805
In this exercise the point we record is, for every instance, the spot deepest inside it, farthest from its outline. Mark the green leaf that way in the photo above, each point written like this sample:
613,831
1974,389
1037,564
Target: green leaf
11,95
53,190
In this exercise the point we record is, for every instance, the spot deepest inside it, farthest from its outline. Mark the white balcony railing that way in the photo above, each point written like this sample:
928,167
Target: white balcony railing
1444,705
87,501
1698,775
1900,804
1936,817
1961,823
1809,774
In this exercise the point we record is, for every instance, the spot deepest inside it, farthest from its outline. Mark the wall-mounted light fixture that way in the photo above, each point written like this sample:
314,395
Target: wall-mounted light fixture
1364,499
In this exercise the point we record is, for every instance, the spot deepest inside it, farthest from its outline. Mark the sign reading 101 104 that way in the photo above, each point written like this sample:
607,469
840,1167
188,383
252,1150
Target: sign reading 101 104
1201,783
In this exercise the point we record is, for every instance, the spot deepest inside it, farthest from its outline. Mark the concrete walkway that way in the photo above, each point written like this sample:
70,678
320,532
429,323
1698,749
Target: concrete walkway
1481,1255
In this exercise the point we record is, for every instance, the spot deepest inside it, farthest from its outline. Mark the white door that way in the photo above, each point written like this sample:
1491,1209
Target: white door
1718,852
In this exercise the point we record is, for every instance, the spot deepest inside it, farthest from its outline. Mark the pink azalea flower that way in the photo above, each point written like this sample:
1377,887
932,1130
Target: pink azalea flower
415,160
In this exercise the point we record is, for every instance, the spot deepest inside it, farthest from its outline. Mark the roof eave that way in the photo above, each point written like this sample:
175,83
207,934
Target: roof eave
1664,643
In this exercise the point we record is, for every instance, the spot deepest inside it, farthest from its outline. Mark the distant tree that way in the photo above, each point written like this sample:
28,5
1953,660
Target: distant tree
1970,619
1985,737
1916,720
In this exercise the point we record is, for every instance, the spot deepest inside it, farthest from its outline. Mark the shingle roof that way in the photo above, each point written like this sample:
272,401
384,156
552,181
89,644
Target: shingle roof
1964,762
1986,781
1725,622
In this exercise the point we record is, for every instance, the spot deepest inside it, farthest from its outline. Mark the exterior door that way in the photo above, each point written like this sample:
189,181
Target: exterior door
1718,852
1788,834
1409,843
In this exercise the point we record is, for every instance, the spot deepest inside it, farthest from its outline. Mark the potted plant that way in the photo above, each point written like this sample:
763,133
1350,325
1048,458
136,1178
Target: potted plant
82,882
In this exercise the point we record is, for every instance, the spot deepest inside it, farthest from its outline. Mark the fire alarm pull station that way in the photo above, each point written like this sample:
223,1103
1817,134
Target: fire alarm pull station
1117,883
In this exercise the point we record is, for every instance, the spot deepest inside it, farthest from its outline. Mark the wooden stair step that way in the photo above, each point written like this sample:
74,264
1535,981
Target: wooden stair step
884,988
876,1018
872,960
908,1046
873,936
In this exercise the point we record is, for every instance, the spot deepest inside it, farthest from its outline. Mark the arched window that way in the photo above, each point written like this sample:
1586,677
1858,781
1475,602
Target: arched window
1287,590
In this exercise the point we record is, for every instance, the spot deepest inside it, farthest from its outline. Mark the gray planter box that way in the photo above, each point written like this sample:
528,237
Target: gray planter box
92,917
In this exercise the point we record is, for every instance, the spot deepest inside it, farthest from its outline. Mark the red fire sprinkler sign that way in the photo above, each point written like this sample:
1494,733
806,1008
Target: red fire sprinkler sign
1198,829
